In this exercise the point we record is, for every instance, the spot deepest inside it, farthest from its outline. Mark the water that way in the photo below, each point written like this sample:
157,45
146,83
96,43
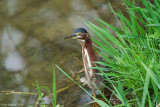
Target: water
31,42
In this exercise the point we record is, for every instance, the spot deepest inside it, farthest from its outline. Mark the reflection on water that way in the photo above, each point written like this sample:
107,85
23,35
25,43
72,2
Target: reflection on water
31,36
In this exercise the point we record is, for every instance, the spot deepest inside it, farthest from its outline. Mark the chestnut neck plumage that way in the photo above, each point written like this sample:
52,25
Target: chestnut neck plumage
88,58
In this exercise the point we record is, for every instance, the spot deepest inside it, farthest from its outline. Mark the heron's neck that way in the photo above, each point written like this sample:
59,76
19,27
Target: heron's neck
88,54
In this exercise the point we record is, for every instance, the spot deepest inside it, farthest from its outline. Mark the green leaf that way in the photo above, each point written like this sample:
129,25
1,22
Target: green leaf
152,75
38,88
153,24
54,87
145,89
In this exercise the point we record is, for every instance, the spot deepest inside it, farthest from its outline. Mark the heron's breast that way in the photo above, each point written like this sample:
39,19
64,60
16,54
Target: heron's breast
87,62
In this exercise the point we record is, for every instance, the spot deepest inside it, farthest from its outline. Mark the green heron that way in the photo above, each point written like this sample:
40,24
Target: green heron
91,78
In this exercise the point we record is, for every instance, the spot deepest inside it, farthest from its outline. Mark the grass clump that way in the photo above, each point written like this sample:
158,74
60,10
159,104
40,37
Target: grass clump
133,55
52,96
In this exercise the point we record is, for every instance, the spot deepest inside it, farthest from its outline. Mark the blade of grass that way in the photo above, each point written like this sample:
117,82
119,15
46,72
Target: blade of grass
54,87
38,88
145,89
152,75
52,100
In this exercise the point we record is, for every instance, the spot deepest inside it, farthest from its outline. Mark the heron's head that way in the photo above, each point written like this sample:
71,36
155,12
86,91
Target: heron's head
79,33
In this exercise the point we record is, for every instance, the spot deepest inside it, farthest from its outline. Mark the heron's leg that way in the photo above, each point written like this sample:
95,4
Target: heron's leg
94,93
94,104
77,73
80,71
103,91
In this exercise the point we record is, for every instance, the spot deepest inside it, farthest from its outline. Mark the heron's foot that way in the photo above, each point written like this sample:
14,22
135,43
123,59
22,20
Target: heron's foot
80,71
83,81
77,73
94,104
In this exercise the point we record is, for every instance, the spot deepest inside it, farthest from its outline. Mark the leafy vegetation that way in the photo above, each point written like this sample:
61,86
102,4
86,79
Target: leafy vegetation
133,54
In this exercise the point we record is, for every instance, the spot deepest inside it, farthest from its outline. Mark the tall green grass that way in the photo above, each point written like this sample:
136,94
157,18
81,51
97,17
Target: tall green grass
133,55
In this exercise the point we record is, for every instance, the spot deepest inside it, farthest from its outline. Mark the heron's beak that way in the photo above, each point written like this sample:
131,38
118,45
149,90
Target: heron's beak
71,36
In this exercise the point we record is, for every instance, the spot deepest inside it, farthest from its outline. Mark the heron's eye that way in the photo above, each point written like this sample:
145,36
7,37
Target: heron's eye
78,33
